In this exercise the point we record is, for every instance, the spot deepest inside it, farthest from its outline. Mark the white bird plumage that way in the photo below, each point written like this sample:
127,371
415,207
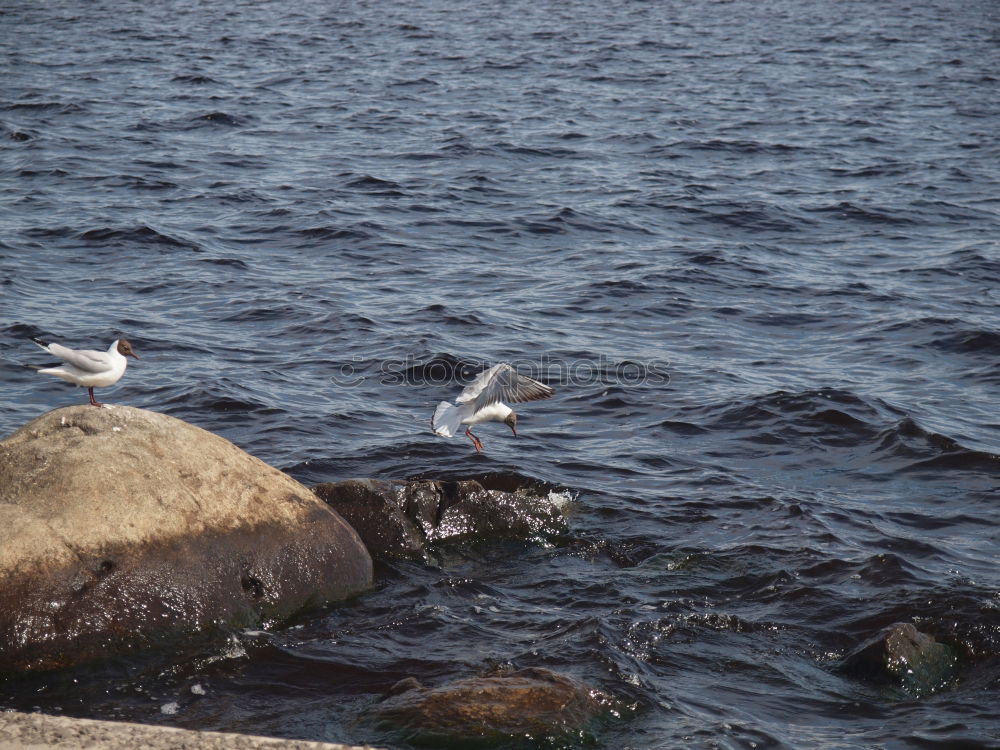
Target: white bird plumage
88,368
483,401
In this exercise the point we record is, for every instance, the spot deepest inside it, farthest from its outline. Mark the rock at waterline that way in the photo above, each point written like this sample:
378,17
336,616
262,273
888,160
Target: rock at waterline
901,655
491,709
399,519
119,524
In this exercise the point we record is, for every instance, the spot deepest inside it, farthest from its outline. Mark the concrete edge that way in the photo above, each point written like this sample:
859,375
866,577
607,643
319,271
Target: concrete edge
20,731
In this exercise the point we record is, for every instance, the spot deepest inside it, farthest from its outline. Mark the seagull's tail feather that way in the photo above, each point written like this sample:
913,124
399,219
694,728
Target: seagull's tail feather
447,419
25,365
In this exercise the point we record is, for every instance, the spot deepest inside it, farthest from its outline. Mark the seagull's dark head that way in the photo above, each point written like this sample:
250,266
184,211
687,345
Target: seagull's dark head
511,421
125,349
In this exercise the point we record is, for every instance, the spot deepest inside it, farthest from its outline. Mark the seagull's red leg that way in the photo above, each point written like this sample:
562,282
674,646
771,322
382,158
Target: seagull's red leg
475,440
93,401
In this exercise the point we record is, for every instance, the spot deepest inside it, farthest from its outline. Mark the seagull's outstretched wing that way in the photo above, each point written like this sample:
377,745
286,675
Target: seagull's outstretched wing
85,360
502,383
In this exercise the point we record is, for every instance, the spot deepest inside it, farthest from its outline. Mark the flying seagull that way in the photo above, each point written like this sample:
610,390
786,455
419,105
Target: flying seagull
483,401
87,367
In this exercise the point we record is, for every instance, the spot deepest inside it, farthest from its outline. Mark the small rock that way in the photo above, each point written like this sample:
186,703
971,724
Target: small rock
903,656
399,519
494,708
376,510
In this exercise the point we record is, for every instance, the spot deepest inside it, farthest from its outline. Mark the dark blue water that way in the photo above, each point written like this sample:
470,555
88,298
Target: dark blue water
753,245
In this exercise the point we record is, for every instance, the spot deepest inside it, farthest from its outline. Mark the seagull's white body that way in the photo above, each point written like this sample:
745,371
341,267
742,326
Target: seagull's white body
448,417
482,401
88,368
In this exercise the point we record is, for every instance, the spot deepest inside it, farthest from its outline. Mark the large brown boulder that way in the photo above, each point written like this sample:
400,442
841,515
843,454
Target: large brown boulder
496,708
399,519
119,525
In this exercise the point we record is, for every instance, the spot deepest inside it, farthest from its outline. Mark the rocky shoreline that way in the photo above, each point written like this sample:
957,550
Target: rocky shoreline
121,527
20,731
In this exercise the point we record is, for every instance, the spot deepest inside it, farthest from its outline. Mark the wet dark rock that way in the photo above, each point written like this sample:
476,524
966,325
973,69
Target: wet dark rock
120,527
399,519
902,656
492,709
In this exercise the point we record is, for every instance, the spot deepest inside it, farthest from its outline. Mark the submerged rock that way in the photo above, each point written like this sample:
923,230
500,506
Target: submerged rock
903,656
493,709
399,519
118,525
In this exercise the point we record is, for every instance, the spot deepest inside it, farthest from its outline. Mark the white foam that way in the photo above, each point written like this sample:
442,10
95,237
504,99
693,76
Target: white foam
561,499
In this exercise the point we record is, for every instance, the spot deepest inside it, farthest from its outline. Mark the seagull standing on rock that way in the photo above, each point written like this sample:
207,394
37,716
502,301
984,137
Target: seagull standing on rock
87,367
483,401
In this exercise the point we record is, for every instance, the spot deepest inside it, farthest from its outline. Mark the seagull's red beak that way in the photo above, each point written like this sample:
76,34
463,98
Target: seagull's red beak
514,430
